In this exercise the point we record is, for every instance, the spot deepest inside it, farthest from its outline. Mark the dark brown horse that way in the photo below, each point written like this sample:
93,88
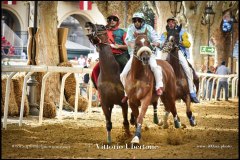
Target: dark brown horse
140,84
171,49
109,85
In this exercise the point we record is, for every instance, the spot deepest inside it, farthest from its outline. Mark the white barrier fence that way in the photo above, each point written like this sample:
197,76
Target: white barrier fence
232,79
205,79
49,70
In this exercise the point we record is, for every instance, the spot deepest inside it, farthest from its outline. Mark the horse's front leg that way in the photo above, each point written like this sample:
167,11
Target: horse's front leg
108,112
125,118
144,107
155,116
190,116
134,114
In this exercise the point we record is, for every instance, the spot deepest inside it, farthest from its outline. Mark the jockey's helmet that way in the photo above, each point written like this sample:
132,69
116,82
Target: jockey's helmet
172,18
138,15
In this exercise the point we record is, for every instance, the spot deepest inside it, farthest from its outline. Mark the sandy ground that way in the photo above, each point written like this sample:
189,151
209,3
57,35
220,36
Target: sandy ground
215,136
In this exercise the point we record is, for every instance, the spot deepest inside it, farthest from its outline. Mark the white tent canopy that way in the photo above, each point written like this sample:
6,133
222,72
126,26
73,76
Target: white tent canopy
75,46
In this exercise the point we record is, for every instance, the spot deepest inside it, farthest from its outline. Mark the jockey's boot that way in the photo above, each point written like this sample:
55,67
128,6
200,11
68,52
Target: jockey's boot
124,100
194,98
159,91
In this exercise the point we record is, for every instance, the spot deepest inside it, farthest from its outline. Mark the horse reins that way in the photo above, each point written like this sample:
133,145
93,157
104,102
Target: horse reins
100,41
174,56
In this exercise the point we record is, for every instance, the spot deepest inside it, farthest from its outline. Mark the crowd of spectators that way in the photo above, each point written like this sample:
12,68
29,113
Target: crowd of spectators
7,48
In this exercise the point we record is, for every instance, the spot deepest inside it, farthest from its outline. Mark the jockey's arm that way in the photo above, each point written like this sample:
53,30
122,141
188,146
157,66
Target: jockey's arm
130,40
185,42
154,37
131,46
124,45
163,39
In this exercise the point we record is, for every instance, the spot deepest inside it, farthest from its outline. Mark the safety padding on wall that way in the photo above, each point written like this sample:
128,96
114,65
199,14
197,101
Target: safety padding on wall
29,45
32,46
62,38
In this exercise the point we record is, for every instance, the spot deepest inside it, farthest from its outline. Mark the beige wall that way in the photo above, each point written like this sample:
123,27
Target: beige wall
65,9
70,8
20,10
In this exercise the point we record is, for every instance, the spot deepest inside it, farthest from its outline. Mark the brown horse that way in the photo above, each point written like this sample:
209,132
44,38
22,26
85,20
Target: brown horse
140,84
171,49
109,85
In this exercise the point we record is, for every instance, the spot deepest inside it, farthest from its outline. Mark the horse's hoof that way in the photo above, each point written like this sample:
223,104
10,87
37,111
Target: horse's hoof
192,122
177,124
135,140
160,123
132,122
109,140
155,120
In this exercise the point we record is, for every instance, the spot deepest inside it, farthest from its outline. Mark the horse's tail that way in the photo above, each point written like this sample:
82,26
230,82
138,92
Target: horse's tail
195,78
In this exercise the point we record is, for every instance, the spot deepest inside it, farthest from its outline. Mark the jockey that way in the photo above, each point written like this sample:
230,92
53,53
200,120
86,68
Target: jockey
140,26
183,43
116,38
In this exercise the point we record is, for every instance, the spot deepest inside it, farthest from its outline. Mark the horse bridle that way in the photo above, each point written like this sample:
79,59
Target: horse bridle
96,35
166,49
137,56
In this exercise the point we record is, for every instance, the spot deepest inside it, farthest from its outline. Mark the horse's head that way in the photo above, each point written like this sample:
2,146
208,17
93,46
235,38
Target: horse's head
96,33
169,47
142,47
172,39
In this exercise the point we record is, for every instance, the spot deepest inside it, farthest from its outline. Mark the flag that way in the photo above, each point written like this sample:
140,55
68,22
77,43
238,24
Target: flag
10,2
85,5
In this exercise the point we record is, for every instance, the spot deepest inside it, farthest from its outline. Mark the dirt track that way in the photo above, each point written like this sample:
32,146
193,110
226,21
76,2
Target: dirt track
215,136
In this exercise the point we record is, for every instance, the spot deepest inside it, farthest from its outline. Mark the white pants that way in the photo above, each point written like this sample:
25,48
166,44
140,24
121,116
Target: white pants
156,69
187,70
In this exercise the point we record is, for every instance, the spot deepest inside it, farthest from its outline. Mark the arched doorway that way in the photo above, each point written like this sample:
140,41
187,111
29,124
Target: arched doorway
77,42
11,42
11,20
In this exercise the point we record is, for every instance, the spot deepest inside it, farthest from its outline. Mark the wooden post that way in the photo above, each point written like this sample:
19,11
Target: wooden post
62,38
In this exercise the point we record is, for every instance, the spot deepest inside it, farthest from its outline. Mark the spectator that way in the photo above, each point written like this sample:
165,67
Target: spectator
23,55
223,83
81,61
85,61
210,70
86,76
5,45
3,51
203,69
89,62
11,51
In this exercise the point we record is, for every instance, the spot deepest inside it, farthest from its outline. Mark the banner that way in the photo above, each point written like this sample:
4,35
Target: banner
10,2
85,5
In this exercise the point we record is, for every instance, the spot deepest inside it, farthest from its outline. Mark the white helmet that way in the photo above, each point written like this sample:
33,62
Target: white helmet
172,18
138,15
